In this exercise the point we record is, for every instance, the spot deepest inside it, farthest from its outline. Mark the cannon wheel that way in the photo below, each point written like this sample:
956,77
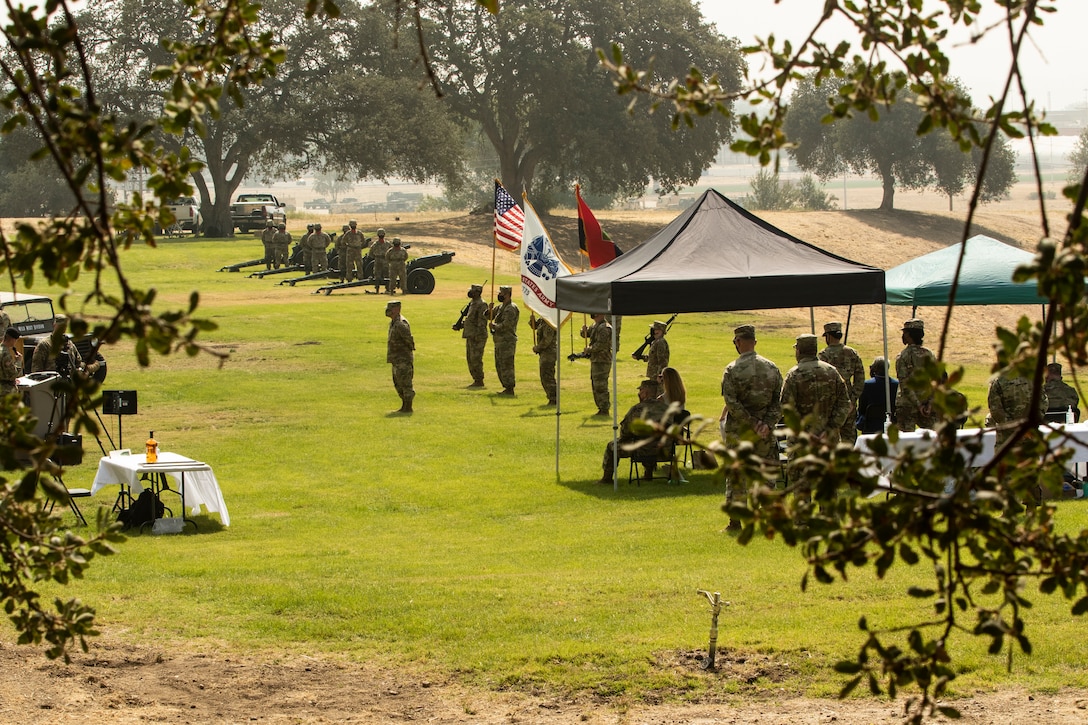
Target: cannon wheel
420,282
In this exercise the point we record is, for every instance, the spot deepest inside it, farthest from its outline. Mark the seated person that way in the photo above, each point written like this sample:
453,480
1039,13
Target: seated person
649,407
1061,395
873,405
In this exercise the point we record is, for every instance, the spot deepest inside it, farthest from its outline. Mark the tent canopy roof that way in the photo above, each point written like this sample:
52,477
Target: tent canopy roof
986,277
717,256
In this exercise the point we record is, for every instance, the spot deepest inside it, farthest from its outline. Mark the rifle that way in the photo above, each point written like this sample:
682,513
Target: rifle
637,354
460,324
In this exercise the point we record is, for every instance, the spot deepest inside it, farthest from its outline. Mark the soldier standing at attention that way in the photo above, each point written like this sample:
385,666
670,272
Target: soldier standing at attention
304,245
341,252
657,357
379,270
504,328
267,236
1061,395
395,260
912,409
544,347
351,263
281,246
599,350
11,362
752,388
851,369
400,352
474,329
817,392
319,242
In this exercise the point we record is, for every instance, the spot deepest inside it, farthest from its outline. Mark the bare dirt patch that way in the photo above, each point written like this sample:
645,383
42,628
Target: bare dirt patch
118,682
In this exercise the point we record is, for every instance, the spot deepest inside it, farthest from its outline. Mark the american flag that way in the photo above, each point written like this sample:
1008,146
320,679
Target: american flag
509,219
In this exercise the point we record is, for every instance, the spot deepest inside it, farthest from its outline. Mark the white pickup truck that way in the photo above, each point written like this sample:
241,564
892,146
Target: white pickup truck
187,213
252,211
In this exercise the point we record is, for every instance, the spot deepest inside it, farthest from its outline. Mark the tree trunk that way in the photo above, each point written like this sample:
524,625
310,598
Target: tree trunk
888,201
949,202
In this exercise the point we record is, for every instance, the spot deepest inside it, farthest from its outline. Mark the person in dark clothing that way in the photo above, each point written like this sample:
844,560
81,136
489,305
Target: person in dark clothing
873,405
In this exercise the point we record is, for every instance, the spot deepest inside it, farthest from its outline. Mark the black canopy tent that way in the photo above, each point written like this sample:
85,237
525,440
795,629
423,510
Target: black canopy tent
717,257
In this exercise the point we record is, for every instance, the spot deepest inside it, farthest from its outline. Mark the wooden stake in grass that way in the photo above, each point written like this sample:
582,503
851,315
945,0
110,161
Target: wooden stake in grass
716,602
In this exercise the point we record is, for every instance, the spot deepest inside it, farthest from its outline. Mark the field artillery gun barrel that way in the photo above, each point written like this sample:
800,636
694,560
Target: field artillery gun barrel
282,270
311,277
238,267
418,281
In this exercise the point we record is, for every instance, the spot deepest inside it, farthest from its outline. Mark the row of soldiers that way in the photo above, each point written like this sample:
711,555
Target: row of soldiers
389,259
478,319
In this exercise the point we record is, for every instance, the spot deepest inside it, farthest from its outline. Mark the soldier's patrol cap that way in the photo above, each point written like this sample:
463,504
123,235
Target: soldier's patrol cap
12,333
506,287
310,227
914,324
833,328
396,240
476,288
282,225
317,226
381,232
344,227
391,304
268,222
1054,367
806,343
658,325
647,383
352,223
747,332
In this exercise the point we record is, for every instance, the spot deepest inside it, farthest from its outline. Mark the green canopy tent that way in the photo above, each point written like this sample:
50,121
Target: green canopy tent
985,279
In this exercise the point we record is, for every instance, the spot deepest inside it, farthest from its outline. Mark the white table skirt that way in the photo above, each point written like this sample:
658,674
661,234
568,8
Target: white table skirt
198,479
1075,437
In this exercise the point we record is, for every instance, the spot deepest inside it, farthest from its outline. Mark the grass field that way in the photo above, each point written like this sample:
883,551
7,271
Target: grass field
445,540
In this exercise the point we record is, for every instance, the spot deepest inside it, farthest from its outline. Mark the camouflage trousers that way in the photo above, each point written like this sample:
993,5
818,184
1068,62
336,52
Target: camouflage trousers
765,448
908,418
307,260
474,354
848,433
279,255
403,372
352,266
269,255
398,277
504,362
547,374
381,271
598,381
319,261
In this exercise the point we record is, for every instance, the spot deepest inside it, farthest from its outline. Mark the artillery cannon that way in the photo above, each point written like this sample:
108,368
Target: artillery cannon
238,267
418,281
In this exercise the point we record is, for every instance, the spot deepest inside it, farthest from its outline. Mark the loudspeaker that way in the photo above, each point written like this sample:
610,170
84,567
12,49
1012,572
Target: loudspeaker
69,450
119,402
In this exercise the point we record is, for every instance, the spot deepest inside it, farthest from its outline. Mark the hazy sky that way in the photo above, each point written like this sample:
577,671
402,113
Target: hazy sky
1053,66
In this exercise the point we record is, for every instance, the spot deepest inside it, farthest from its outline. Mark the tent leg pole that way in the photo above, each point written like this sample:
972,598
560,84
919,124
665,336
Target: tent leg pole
888,367
615,418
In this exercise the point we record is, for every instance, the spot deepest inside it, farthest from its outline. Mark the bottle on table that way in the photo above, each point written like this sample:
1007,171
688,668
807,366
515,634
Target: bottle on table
1069,417
152,449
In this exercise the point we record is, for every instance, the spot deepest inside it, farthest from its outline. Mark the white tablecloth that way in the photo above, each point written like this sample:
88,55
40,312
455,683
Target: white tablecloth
1075,436
201,486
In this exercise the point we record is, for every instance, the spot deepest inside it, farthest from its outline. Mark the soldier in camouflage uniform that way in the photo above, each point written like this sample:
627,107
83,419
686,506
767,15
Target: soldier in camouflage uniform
379,270
846,360
599,351
319,242
912,409
544,347
400,352
304,245
1061,395
752,388
648,407
657,357
1009,400
396,259
351,263
11,362
817,392
281,246
341,251
504,328
474,329
269,248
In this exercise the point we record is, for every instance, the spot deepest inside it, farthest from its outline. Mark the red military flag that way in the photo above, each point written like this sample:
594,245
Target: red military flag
509,219
592,240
